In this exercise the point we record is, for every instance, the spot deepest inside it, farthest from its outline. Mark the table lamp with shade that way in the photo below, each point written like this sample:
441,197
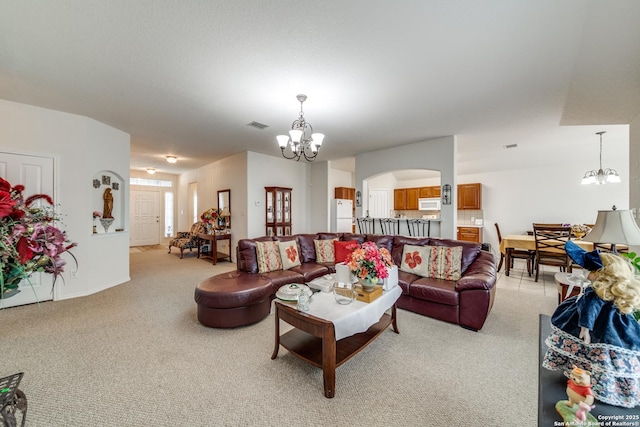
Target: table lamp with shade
226,216
615,227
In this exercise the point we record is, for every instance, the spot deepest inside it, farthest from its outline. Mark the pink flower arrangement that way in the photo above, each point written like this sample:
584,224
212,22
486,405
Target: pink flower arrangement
210,215
369,262
28,241
97,214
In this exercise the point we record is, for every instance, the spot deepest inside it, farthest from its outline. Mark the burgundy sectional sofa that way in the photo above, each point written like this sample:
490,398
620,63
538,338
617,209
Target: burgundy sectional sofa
243,296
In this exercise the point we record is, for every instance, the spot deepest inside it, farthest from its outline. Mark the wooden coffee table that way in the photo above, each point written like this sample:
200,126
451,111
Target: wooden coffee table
313,340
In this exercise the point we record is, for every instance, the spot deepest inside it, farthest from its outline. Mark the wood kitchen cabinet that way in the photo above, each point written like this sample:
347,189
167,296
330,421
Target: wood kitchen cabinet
278,211
470,196
346,193
470,234
412,198
429,192
399,199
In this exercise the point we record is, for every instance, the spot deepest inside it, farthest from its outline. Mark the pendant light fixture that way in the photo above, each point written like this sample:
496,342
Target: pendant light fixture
301,139
601,176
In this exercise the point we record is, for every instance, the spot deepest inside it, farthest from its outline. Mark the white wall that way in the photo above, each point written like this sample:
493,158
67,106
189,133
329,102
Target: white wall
81,147
320,194
269,171
229,173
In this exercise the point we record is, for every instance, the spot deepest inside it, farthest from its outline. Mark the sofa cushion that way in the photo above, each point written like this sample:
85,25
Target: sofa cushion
283,277
470,250
311,270
435,290
381,241
341,249
324,250
247,257
446,262
398,246
289,254
268,254
416,260
352,236
405,279
307,248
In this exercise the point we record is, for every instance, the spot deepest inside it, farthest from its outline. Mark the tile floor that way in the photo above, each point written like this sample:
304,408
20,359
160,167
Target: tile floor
520,281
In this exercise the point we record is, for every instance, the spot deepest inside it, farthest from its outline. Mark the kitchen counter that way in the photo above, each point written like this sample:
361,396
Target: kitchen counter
470,226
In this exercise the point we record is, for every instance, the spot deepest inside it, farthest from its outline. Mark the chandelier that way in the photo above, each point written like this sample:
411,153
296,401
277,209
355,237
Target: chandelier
302,142
600,176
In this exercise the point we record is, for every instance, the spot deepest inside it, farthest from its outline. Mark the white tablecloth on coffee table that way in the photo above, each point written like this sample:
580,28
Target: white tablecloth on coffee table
352,318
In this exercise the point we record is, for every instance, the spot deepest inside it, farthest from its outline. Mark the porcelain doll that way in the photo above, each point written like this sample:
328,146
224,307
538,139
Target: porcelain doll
597,332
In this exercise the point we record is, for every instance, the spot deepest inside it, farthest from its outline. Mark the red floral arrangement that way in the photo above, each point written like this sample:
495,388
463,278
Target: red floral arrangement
210,215
28,241
369,262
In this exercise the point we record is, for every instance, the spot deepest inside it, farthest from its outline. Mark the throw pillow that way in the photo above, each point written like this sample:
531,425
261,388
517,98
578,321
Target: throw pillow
268,254
289,254
447,262
416,260
340,249
324,250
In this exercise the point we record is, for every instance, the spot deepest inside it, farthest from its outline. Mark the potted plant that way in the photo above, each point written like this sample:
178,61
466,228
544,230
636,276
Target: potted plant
29,242
369,263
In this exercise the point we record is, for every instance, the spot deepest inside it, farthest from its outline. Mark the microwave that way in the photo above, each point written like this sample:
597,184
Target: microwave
430,204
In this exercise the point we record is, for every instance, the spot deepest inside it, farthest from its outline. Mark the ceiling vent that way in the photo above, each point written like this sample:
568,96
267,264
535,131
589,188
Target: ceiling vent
510,146
258,125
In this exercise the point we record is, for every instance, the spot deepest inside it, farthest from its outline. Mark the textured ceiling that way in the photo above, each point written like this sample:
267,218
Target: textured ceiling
185,77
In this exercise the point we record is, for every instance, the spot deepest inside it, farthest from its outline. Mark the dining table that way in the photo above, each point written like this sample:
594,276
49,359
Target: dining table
528,243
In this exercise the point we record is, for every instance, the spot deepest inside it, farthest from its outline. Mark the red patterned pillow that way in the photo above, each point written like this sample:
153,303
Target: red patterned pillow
324,250
340,249
447,264
416,260
268,254
289,254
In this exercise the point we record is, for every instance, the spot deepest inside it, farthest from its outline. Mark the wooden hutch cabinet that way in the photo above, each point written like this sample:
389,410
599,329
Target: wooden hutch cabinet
278,211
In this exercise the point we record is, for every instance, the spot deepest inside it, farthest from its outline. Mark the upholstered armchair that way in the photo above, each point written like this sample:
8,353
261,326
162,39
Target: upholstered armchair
188,240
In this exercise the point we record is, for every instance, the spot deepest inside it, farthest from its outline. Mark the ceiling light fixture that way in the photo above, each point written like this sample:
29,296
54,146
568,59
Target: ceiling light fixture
600,176
301,139
172,159
151,171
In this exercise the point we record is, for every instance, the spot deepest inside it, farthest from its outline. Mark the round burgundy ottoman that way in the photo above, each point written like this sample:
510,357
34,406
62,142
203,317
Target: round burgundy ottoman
233,299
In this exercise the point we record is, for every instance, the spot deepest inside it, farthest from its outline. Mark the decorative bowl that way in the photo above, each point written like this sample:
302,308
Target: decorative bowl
290,292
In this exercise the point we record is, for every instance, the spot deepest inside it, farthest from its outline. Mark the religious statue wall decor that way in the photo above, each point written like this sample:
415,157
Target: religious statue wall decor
107,210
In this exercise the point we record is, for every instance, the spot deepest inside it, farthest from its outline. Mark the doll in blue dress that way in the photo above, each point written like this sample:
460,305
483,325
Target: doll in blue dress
597,331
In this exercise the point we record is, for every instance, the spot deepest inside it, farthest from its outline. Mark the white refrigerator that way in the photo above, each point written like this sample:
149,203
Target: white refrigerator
341,216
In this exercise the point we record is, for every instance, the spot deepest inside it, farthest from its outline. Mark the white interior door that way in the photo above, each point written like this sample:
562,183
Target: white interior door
145,218
378,204
36,174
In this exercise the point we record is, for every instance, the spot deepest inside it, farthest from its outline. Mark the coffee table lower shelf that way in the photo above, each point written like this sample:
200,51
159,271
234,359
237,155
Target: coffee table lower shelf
313,341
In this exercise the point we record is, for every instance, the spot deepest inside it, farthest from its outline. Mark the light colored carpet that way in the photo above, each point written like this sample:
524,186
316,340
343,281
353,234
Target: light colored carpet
135,355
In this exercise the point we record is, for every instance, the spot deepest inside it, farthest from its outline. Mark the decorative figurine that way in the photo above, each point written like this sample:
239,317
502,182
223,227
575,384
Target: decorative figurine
579,387
597,331
108,204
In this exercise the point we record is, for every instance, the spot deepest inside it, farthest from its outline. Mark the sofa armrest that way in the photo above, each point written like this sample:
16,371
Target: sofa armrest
481,274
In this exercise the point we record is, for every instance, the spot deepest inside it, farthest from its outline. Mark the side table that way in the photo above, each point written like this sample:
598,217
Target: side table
214,239
12,399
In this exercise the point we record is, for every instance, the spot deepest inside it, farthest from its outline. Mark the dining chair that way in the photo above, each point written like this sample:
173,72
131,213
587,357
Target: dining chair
419,227
524,254
550,241
366,225
389,226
